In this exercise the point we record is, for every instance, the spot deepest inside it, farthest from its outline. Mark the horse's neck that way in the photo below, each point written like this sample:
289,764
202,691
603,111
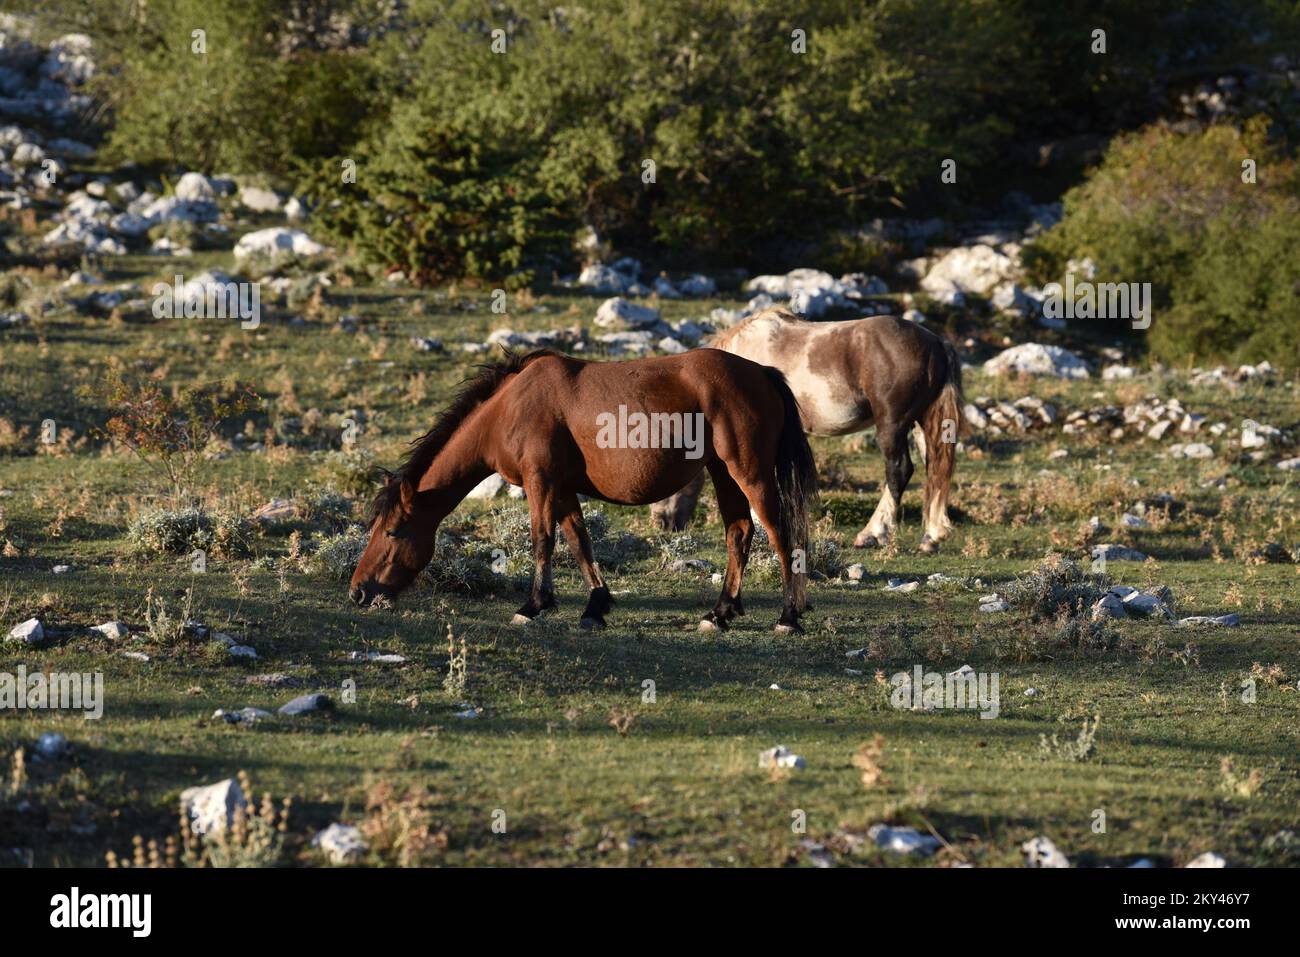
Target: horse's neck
456,469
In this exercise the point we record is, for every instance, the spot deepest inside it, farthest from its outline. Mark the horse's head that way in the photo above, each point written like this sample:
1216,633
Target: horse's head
402,535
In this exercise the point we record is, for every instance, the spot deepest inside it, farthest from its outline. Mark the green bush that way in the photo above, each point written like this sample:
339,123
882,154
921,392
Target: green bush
488,162
242,105
1172,209
155,533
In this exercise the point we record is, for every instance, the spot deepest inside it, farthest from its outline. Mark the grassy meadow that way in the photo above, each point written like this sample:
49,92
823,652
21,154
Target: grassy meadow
570,760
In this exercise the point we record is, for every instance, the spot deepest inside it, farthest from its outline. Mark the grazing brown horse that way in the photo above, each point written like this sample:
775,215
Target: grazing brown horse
848,376
624,432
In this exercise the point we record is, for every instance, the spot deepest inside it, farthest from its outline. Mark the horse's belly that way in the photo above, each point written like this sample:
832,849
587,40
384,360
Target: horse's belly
826,415
631,476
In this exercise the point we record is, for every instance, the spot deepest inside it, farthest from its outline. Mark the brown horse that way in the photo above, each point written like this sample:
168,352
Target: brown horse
848,376
624,432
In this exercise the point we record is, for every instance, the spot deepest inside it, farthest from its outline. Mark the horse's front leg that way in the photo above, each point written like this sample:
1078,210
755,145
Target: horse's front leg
541,508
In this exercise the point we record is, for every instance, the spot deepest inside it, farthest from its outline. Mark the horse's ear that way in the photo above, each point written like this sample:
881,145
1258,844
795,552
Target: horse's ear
407,489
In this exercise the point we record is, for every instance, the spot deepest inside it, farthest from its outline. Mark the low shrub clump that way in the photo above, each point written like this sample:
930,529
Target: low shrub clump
1056,588
158,532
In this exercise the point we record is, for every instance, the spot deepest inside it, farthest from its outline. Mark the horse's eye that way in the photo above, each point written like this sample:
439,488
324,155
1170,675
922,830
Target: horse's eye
392,533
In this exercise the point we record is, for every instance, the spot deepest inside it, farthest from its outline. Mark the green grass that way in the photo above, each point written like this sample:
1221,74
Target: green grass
682,786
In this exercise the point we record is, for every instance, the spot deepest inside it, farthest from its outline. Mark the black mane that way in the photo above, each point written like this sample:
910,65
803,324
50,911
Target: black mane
472,393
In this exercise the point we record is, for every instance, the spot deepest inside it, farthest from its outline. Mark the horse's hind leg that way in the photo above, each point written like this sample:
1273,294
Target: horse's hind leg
599,601
541,507
734,509
766,502
939,466
898,472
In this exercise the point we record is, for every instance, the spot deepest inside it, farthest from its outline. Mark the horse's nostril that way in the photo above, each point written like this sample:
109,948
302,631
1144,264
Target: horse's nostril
358,595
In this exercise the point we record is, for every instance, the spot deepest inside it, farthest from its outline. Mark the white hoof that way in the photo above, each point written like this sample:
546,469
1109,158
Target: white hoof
706,625
784,630
520,619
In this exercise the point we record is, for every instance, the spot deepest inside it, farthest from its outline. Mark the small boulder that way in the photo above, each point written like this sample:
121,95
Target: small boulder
30,632
212,808
342,843
903,840
259,200
1041,852
1033,358
621,315
781,757
308,704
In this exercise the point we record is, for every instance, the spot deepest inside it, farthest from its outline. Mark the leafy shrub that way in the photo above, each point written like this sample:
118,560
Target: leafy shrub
242,105
170,432
157,532
337,555
352,470
1056,588
487,163
326,505
1171,209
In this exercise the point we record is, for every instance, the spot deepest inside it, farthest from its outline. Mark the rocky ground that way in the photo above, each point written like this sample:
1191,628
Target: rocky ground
1124,559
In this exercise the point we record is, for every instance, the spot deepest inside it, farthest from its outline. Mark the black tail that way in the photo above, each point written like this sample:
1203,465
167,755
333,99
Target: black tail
796,477
954,377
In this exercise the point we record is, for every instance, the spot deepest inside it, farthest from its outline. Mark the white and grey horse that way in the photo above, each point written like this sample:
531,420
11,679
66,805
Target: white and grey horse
847,376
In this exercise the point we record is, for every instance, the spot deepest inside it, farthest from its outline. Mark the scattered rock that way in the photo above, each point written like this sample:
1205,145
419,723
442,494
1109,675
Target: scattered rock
490,487
277,242
308,704
1145,605
1208,859
113,630
247,716
903,840
976,269
688,565
781,757
377,657
1111,552
1033,358
51,745
342,843
993,604
212,807
856,572
1192,450
275,679
899,585
605,279
1108,606
30,632
276,510
624,316
195,187
1225,621
1041,852
259,200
